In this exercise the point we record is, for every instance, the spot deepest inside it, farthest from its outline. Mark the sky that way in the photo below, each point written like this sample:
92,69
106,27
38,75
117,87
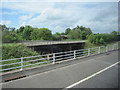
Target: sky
101,17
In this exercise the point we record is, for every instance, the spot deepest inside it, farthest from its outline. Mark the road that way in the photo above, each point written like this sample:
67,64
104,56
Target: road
99,71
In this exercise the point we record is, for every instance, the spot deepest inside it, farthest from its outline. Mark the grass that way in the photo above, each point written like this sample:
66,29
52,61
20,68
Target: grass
10,44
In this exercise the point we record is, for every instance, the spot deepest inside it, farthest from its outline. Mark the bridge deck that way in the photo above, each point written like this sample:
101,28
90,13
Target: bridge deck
36,43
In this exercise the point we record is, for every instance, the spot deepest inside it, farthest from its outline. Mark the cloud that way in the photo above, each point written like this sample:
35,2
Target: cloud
6,22
9,13
99,19
23,24
25,17
60,0
30,7
54,18
57,16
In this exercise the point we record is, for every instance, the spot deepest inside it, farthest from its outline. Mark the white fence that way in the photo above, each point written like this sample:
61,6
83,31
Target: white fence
33,61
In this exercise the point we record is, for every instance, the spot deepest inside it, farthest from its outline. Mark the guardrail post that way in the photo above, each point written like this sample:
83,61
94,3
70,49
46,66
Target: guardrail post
106,48
21,64
74,54
113,47
48,57
89,52
53,58
99,50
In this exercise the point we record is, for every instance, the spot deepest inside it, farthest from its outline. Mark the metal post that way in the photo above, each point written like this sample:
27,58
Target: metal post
89,52
53,58
106,48
74,54
113,47
99,50
48,57
21,64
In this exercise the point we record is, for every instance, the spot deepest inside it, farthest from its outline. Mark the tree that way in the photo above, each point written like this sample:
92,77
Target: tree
67,31
56,37
97,41
88,31
73,34
101,41
114,32
27,32
41,34
21,29
83,35
90,38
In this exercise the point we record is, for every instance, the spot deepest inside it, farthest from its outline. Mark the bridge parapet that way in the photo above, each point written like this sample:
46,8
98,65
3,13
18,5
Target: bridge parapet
36,43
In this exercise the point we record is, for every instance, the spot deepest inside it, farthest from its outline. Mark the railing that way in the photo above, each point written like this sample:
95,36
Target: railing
32,43
33,61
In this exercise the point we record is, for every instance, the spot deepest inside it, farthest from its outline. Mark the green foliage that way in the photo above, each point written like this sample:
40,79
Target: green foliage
103,38
41,34
73,34
67,31
97,41
101,41
8,34
79,32
83,35
27,32
16,51
56,37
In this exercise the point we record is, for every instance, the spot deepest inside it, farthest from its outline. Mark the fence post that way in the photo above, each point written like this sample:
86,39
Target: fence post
113,47
21,64
53,58
99,51
48,57
106,48
74,54
89,52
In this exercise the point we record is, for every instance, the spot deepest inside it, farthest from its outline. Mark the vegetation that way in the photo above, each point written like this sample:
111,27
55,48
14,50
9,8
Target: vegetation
16,50
103,39
29,33
78,33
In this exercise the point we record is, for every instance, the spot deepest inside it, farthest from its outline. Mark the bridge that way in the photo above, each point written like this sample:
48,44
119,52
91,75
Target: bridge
38,43
86,68
54,46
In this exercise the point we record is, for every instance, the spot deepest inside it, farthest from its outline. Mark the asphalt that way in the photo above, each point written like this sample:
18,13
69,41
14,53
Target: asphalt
104,80
64,74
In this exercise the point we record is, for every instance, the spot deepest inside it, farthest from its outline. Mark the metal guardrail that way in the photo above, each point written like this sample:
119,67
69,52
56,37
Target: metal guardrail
32,61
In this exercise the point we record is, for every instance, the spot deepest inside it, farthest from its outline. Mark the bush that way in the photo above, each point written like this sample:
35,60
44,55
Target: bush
15,51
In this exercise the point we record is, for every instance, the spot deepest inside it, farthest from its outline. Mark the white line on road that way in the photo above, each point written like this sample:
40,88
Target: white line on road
92,75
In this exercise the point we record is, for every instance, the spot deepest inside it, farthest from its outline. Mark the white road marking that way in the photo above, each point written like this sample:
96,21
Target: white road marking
92,75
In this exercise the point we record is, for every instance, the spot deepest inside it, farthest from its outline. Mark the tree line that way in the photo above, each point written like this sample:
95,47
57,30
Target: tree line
79,32
104,38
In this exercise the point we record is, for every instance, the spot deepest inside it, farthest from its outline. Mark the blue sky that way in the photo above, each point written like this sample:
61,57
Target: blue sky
57,16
